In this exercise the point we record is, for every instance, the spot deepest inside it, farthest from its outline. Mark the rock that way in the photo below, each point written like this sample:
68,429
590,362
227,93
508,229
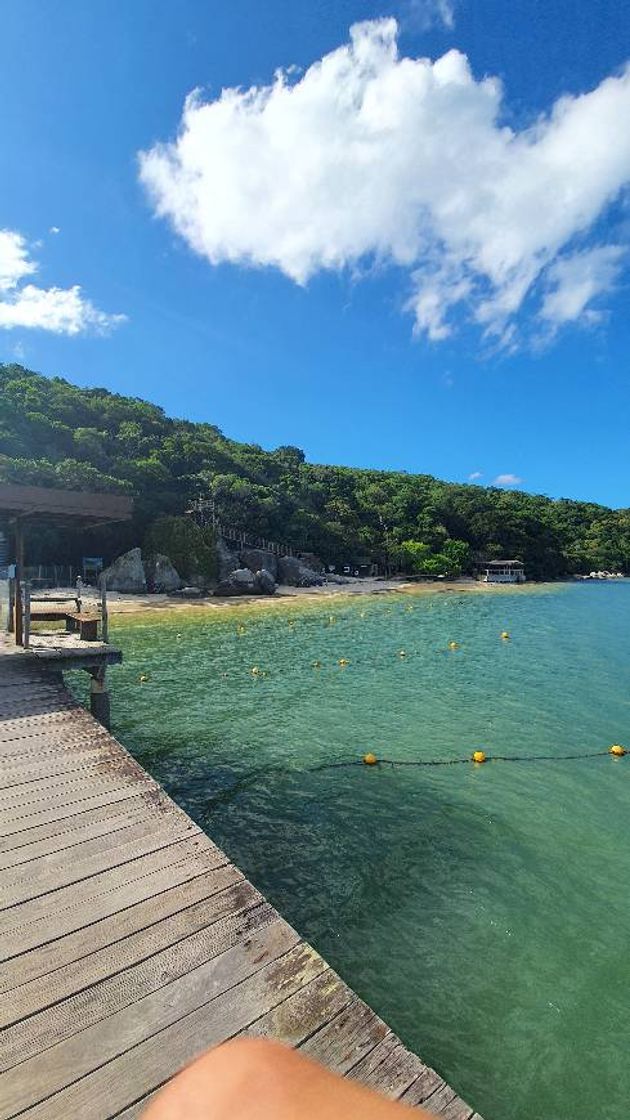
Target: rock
265,583
126,573
239,582
227,560
310,560
259,559
186,593
161,574
294,573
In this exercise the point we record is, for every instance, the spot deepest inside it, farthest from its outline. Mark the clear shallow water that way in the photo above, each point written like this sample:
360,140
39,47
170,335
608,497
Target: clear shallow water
483,911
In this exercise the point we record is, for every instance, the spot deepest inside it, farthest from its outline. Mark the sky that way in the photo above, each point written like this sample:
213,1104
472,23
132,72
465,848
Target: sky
396,235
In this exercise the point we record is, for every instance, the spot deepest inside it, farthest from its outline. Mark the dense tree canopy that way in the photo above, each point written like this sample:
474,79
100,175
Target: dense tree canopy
55,434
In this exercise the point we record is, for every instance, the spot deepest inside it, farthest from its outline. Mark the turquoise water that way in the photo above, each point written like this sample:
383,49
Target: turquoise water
484,911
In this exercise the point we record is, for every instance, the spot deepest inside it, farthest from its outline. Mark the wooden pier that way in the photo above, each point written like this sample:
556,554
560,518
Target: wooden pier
130,943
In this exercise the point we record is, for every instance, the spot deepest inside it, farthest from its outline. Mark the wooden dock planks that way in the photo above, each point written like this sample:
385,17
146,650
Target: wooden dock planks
128,941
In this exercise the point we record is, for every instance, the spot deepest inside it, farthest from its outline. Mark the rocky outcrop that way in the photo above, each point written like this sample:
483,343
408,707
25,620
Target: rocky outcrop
161,574
295,573
126,573
239,582
227,560
265,583
187,593
260,559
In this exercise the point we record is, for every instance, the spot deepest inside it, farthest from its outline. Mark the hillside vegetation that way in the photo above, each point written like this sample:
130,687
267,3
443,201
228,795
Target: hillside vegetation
55,434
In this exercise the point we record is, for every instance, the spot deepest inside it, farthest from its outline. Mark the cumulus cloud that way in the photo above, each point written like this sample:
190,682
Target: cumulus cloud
369,157
507,480
475,476
59,310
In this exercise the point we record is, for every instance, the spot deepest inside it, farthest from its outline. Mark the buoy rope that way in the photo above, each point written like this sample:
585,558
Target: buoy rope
254,776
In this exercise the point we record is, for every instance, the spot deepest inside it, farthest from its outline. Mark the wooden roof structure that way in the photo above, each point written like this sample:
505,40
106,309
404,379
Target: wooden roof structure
45,502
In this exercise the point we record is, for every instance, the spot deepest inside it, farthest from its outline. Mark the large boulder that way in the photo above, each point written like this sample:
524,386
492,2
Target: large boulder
239,582
227,560
126,573
161,574
265,583
259,559
293,572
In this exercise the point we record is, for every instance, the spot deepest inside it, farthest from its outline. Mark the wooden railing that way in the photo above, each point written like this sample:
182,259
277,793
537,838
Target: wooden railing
33,608
205,511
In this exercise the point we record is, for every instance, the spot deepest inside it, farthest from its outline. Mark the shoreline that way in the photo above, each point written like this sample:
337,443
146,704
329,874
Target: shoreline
131,603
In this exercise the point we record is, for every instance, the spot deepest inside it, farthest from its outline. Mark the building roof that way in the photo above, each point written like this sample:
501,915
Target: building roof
504,564
82,505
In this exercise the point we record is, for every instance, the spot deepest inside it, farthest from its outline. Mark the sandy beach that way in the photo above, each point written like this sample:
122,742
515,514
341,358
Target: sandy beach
120,603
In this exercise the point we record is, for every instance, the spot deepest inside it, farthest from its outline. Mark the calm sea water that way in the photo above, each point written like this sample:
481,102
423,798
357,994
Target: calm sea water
484,911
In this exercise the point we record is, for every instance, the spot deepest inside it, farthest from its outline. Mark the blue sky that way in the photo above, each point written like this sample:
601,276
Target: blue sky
386,262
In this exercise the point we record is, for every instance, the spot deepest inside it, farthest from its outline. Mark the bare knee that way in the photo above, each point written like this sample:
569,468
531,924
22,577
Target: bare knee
230,1080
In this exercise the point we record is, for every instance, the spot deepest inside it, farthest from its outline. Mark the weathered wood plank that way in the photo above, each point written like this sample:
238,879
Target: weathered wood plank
113,891
71,786
181,993
107,1017
101,823
14,821
427,1083
395,1073
143,795
61,764
22,748
232,895
311,1007
132,1075
101,854
68,960
348,1038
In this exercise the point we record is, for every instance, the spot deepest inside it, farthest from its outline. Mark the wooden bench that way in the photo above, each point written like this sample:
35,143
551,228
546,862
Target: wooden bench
86,625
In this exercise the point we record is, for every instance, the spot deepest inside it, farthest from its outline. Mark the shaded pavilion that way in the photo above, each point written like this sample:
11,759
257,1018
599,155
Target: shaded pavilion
22,506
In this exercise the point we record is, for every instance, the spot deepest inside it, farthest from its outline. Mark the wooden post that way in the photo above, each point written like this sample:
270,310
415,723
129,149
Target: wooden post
19,575
11,615
104,615
26,628
99,696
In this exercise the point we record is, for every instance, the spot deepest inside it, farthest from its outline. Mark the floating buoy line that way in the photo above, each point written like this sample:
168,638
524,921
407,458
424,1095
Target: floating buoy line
372,761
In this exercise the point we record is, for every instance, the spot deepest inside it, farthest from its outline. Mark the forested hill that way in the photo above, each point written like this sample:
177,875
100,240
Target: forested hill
55,434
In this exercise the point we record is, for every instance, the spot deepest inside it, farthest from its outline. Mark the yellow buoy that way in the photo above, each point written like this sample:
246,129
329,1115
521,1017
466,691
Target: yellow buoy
453,645
370,759
343,661
479,756
505,636
256,672
617,750
143,678
402,653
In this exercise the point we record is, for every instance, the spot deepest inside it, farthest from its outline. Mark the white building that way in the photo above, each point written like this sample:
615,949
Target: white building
503,571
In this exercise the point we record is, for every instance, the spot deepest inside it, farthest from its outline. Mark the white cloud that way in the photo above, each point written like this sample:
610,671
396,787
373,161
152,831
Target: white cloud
14,261
507,480
475,476
369,157
59,310
421,15
575,280
54,229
